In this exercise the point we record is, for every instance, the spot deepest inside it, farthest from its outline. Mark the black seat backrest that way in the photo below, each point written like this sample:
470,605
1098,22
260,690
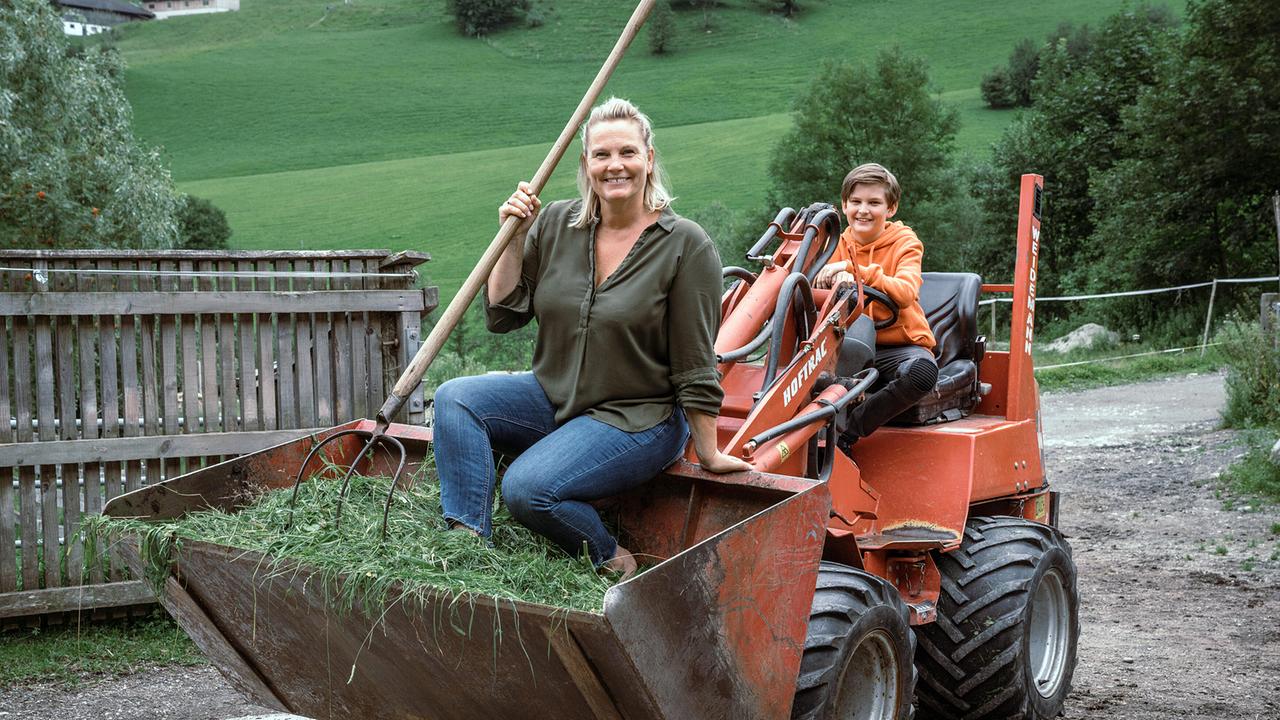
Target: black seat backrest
950,304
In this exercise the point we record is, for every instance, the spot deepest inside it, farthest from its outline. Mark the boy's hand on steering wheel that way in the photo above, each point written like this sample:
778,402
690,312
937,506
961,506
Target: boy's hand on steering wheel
828,276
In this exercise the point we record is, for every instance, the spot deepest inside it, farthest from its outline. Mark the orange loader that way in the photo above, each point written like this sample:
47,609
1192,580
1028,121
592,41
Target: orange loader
918,566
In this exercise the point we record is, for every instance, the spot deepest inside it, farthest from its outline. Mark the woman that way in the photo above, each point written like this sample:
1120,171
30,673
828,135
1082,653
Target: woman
627,298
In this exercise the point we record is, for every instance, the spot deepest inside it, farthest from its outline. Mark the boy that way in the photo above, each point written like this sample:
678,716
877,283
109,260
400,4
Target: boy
886,255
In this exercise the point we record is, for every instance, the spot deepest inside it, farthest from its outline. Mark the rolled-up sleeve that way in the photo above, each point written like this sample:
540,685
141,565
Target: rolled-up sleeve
693,318
516,309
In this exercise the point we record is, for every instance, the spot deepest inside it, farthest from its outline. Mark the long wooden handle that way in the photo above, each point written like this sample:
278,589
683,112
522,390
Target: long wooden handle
458,305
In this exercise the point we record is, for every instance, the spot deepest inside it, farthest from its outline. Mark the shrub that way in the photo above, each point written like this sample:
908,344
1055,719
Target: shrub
995,89
202,225
1253,377
479,17
662,28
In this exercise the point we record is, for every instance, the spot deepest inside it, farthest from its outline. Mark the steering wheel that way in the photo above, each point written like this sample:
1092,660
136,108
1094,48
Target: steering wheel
870,295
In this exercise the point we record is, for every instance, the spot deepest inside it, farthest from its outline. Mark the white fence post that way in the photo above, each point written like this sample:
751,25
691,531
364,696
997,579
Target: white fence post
1208,318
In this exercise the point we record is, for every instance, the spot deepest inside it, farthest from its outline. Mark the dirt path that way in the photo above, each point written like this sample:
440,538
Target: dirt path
1180,598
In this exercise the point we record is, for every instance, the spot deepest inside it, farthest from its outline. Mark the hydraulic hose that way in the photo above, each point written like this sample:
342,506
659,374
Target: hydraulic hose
858,385
784,218
795,284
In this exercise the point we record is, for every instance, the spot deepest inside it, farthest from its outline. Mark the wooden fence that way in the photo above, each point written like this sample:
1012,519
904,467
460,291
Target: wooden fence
119,369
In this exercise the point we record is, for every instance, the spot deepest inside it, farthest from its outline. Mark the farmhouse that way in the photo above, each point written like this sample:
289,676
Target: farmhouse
170,8
102,12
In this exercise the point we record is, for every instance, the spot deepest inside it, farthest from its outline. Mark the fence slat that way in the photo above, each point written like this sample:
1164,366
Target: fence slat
266,357
45,412
88,351
8,519
169,369
303,370
343,383
28,503
190,365
150,383
286,383
209,360
359,353
323,356
65,334
131,387
249,384
231,420
109,372
373,345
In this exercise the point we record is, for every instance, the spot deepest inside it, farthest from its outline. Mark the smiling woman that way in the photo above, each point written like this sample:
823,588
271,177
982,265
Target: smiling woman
627,298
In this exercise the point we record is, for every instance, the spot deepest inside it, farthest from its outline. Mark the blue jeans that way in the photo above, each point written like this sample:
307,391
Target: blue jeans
557,469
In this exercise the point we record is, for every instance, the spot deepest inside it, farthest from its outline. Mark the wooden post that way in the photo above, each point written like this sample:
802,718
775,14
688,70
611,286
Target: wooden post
1208,318
1269,318
1275,203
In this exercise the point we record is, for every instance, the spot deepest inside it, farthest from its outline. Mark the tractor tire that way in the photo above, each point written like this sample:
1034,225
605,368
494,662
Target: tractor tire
1004,644
858,659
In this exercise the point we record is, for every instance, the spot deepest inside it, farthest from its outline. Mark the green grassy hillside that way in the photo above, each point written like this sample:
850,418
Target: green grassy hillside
376,124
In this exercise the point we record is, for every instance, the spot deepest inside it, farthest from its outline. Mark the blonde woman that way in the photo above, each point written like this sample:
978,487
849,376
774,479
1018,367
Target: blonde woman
627,298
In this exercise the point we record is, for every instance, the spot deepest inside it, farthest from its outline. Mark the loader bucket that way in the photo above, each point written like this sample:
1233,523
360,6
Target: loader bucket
714,630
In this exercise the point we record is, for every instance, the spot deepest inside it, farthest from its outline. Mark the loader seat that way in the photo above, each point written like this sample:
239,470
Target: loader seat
950,304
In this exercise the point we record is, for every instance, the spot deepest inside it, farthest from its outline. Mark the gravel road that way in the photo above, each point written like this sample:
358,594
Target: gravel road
1179,596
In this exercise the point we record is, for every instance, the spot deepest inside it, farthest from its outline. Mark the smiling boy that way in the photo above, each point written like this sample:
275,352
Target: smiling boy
887,256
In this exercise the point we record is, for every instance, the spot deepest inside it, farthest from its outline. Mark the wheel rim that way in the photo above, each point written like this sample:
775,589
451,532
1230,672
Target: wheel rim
869,684
1050,633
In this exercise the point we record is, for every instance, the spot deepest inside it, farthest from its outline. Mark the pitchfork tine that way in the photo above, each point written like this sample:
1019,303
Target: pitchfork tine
378,434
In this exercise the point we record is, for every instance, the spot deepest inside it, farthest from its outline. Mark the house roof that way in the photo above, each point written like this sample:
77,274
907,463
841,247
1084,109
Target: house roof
116,6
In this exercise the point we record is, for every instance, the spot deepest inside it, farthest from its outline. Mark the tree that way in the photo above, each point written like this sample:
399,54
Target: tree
71,172
786,8
1024,63
662,28
852,114
202,226
1072,134
706,6
996,92
480,17
1011,85
1202,156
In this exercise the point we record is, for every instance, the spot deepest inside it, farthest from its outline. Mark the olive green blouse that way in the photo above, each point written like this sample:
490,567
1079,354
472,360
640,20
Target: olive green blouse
628,351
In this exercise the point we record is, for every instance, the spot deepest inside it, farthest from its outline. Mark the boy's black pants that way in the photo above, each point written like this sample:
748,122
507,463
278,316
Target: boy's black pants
907,373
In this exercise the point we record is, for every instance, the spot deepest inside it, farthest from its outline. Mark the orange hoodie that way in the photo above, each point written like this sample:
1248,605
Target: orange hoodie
891,264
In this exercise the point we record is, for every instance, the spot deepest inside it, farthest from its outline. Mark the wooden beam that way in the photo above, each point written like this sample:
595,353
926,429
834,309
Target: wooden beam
188,254
78,304
404,259
124,449
71,599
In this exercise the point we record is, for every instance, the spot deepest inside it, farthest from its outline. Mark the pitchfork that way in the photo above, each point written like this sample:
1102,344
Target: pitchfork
458,305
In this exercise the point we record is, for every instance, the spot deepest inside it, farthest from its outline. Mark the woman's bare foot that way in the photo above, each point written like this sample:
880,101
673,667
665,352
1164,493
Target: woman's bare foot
623,563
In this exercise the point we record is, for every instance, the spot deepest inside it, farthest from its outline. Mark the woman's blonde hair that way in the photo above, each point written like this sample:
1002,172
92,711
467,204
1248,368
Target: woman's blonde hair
656,194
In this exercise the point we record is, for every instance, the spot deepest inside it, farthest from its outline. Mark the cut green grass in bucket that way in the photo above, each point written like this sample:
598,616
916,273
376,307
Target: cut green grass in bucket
358,568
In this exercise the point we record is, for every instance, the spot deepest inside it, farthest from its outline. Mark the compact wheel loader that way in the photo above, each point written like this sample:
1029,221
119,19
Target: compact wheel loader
851,578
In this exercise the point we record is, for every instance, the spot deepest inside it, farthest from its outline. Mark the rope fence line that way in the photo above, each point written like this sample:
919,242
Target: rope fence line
1199,347
1130,293
41,274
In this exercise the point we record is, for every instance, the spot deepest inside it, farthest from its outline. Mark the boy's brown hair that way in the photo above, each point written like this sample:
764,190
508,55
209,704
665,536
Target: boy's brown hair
872,174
